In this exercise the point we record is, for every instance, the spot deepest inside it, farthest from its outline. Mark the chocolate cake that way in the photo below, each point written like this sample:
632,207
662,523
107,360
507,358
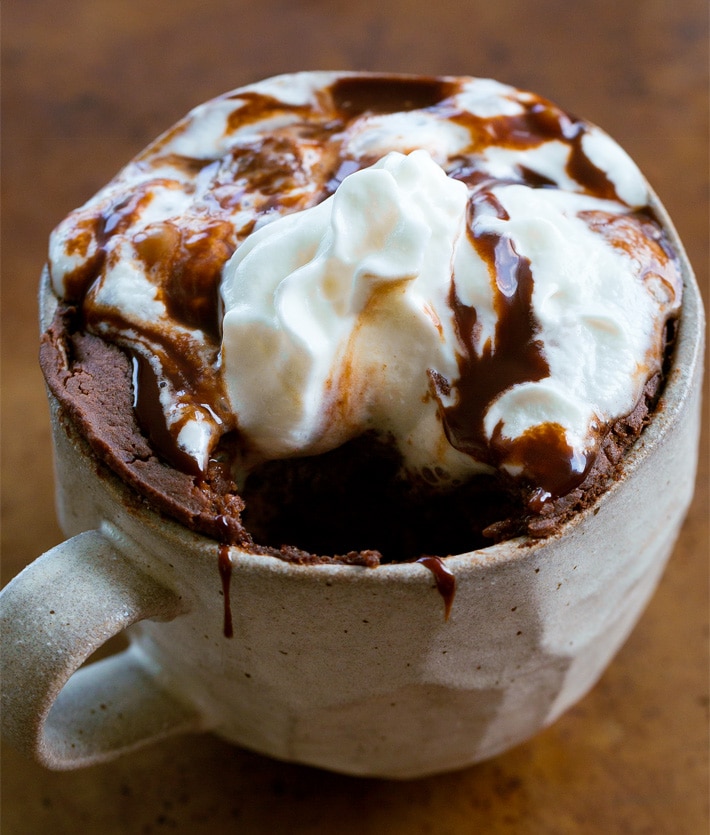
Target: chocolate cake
131,381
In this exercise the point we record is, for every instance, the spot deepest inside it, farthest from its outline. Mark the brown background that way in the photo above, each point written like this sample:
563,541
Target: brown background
86,83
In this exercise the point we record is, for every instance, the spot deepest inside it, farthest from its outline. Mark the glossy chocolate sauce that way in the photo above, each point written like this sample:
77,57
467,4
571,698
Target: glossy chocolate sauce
517,357
149,414
445,581
224,564
353,96
225,573
187,264
540,121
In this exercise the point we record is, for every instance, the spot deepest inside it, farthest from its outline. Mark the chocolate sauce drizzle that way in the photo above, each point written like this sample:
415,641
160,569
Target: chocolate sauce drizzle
516,356
224,563
151,420
188,263
356,95
225,573
445,581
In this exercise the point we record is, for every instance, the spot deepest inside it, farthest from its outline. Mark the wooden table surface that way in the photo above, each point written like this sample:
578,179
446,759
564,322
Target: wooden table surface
86,84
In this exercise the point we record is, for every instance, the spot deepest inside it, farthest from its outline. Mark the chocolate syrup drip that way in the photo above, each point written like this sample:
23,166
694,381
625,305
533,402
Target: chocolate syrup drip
535,179
186,263
255,106
581,169
151,419
115,219
515,357
445,581
225,572
541,121
517,354
77,282
387,94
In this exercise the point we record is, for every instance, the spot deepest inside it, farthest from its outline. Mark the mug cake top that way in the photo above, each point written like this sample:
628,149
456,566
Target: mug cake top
455,267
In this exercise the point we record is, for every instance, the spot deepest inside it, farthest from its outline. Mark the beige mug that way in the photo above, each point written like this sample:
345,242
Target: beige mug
353,669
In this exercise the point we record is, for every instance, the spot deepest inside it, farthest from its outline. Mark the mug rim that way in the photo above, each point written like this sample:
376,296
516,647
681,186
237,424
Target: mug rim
687,356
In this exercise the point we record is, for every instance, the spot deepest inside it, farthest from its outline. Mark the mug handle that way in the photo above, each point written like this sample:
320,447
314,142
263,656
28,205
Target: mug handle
53,616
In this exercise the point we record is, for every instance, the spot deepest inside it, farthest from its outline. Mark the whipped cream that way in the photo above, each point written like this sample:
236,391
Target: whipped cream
346,304
451,263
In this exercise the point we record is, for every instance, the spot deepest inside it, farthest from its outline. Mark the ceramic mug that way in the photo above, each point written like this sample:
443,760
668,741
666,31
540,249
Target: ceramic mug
352,669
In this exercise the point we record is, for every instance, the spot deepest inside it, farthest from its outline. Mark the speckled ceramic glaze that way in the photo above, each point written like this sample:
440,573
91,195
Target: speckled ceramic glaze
347,668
